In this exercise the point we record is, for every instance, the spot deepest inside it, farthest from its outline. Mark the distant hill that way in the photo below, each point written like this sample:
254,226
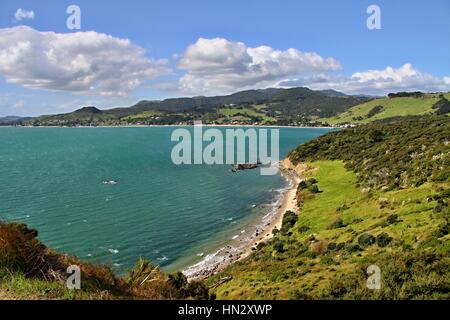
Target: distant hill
333,93
396,105
269,106
12,120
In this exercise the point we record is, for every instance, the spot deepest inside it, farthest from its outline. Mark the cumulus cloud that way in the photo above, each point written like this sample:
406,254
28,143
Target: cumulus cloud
221,66
84,62
377,82
23,14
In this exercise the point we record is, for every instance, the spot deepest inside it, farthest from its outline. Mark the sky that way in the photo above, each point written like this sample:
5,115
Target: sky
126,51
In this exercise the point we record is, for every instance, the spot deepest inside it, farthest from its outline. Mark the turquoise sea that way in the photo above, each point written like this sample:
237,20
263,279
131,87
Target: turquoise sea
52,179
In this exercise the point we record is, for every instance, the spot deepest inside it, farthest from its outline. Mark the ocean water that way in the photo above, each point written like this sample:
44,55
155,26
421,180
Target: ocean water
52,180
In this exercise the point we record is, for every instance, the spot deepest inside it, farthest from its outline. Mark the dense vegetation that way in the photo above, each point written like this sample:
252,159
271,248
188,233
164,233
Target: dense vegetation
344,227
392,155
30,270
270,106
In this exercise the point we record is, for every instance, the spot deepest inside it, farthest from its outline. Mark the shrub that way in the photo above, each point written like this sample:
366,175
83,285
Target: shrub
278,246
310,255
393,218
289,219
142,273
319,247
302,185
303,229
442,230
336,224
196,290
21,251
260,245
314,189
383,239
352,248
439,207
332,246
326,260
366,240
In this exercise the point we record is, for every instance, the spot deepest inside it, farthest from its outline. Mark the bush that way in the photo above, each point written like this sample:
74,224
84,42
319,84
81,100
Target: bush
383,240
352,248
20,251
307,184
260,245
289,220
326,260
442,230
332,246
303,229
336,224
366,240
314,189
302,185
310,255
440,207
278,246
319,247
393,218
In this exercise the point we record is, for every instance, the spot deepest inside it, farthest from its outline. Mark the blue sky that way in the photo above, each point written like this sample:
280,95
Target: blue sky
243,45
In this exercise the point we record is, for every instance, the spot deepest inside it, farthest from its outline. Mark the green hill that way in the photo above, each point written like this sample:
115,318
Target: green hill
373,195
383,108
269,106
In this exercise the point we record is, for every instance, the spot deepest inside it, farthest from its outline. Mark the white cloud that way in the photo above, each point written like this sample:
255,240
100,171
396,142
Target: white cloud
23,14
377,82
83,62
217,65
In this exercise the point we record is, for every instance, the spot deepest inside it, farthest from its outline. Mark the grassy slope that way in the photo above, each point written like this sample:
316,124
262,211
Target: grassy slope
296,273
144,115
233,112
392,107
30,270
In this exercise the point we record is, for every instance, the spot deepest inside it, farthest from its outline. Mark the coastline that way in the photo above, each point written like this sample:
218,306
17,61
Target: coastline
178,125
230,254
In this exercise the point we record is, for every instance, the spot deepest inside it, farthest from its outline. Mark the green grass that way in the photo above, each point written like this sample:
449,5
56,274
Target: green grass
236,112
15,286
144,115
296,274
391,108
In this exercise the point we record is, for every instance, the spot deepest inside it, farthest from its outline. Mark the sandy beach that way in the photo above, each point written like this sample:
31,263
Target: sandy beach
229,254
